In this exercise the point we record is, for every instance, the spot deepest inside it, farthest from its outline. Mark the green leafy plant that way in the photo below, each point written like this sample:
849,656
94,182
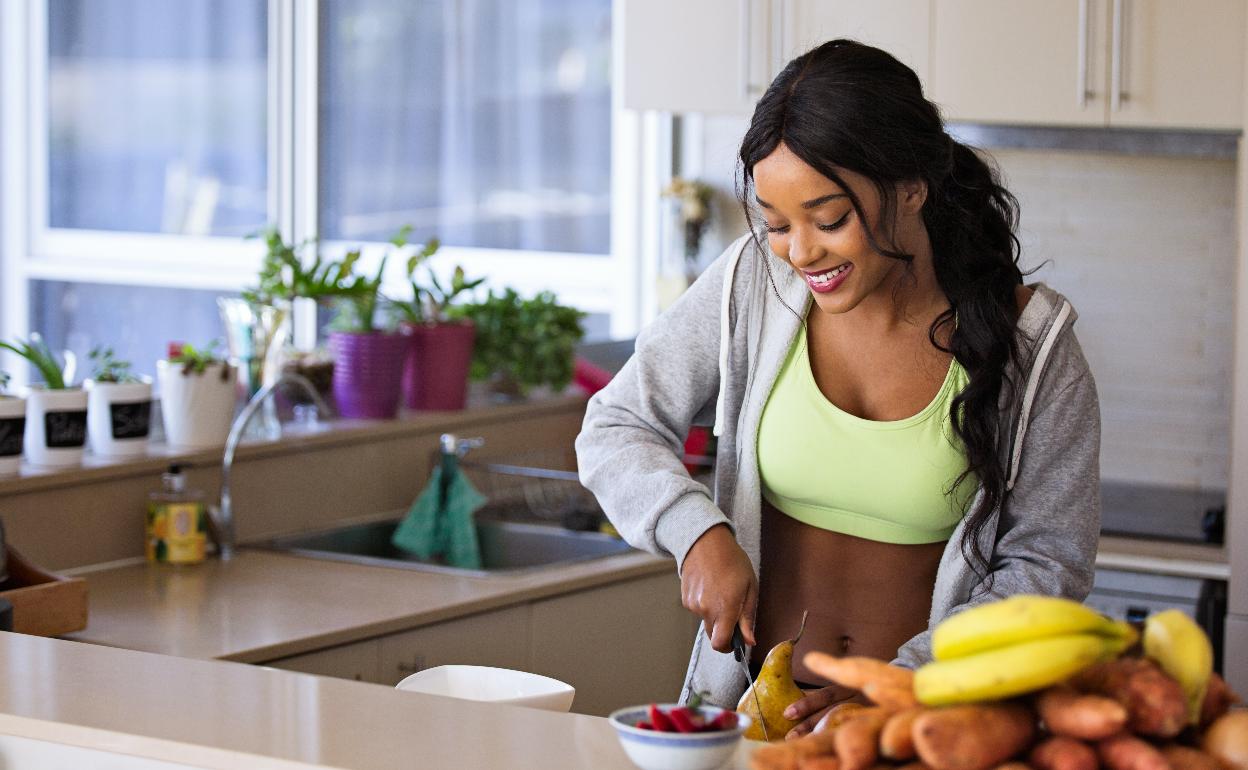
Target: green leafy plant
530,341
36,351
359,298
108,368
428,303
4,381
283,274
197,360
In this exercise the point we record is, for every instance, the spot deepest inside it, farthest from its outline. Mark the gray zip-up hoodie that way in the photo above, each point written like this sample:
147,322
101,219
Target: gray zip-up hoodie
714,355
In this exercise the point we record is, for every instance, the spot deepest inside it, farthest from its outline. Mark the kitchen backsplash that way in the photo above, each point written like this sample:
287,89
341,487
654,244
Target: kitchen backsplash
1144,247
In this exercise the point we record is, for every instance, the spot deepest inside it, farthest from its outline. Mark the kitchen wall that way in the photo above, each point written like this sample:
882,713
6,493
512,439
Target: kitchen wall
1144,247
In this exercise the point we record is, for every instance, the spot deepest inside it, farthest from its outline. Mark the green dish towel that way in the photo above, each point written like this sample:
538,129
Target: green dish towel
447,530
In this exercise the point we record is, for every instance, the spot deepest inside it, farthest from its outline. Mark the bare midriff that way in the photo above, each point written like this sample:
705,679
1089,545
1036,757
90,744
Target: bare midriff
864,597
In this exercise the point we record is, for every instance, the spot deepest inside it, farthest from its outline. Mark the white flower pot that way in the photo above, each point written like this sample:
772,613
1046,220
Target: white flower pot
197,409
56,427
119,417
12,428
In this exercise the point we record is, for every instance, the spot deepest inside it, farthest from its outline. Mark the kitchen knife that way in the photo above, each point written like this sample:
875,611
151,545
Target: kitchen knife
738,652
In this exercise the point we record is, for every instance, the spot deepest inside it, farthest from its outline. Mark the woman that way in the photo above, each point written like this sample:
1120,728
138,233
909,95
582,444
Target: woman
904,428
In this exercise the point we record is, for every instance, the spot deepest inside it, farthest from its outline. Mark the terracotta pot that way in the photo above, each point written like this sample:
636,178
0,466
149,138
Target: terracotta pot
435,375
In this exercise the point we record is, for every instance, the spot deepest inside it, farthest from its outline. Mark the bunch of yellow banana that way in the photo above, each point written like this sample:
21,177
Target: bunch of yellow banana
1182,649
1014,646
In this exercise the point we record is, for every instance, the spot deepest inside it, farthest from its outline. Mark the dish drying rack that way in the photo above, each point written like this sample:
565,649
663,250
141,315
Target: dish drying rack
534,485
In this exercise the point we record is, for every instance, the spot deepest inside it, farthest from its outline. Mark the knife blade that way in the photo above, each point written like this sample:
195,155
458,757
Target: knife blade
738,652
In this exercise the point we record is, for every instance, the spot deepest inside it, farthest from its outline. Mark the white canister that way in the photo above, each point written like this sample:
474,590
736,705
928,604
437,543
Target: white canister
12,428
56,426
119,417
196,407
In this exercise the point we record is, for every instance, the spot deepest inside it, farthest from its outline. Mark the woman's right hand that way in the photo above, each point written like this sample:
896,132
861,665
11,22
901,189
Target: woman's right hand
717,584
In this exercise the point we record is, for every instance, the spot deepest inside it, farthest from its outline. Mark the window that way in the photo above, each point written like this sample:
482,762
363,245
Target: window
142,140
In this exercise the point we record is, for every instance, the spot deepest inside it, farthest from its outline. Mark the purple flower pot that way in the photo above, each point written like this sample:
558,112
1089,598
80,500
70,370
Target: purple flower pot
436,372
368,370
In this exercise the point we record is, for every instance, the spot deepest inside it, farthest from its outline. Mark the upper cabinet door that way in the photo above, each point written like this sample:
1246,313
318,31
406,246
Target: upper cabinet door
1022,61
713,56
1177,64
901,27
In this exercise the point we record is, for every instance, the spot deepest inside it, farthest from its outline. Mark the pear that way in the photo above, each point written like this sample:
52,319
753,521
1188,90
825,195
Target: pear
776,691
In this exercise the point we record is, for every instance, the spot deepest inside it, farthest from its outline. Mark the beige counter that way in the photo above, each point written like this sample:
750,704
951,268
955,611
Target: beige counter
262,605
226,715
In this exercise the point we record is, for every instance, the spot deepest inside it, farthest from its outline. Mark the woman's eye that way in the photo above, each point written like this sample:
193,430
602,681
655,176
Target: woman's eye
838,224
775,230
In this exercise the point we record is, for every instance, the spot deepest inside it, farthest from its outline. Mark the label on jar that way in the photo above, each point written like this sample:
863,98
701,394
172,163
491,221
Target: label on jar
176,533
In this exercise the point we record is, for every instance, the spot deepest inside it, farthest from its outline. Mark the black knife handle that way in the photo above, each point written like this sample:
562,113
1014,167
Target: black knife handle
738,644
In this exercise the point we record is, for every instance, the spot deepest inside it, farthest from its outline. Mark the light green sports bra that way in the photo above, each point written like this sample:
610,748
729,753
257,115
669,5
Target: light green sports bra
884,481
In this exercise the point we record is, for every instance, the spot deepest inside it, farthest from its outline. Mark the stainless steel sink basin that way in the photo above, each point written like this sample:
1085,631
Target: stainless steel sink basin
506,547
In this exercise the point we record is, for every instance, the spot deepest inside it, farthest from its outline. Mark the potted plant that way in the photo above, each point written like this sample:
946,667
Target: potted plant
12,426
522,343
435,375
56,412
368,361
197,396
119,407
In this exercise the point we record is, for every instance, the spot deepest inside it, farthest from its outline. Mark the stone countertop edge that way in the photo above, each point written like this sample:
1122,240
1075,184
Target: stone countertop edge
330,433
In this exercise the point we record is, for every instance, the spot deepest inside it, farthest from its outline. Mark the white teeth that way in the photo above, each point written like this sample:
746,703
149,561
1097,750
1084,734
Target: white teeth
825,277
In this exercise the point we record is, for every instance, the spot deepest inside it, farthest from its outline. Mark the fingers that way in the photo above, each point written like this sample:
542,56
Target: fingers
721,634
808,724
749,610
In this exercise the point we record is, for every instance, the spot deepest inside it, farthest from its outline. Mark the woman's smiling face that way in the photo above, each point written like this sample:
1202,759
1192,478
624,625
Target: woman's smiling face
811,222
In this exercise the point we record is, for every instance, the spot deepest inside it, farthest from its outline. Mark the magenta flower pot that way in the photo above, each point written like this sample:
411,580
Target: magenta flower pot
435,375
368,372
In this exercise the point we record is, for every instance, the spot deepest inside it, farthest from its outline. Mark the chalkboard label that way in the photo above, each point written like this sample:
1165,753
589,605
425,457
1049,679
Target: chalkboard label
65,430
132,420
11,429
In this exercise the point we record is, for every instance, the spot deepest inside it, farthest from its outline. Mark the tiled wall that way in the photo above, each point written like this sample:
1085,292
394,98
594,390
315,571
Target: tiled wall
1144,247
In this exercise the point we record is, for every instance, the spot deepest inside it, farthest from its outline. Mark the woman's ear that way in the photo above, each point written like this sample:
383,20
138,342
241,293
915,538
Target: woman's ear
911,195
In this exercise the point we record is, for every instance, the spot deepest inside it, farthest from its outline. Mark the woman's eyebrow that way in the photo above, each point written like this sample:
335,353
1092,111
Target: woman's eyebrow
810,204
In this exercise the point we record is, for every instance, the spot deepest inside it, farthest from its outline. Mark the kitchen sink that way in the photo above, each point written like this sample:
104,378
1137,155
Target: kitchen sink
506,546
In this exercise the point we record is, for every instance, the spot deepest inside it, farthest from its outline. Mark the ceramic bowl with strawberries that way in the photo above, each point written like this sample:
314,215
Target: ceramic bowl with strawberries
668,736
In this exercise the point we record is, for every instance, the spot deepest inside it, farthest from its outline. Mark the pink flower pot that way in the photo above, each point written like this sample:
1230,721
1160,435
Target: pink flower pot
368,370
435,375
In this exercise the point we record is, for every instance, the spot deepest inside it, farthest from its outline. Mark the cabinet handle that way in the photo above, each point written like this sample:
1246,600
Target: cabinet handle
418,664
1117,76
1082,92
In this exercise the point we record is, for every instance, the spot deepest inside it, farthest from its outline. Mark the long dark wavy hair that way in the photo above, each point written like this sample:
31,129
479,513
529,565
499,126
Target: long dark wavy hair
845,105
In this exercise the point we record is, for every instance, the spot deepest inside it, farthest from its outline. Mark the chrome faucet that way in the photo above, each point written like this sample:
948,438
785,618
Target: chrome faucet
222,515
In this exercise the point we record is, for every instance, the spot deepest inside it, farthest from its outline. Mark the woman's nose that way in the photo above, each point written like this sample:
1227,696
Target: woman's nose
803,250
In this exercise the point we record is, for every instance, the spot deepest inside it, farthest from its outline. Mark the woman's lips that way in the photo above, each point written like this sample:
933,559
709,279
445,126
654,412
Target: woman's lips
825,281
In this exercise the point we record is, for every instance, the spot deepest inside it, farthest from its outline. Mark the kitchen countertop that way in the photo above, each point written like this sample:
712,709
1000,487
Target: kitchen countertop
263,605
225,715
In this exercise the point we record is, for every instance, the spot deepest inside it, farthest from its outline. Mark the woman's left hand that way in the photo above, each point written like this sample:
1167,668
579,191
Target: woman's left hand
814,707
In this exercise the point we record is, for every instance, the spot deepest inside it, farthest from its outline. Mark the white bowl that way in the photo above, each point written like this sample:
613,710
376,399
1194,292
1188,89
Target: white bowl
653,750
493,685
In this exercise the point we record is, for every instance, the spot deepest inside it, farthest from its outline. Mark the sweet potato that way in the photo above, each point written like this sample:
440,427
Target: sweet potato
897,735
787,755
890,697
1218,700
855,671
1126,752
913,766
973,737
858,739
1155,703
1188,758
1068,712
1062,753
838,715
825,762
1227,739
1016,765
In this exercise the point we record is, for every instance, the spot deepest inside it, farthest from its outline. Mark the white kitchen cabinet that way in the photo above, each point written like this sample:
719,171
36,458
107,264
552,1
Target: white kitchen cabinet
358,661
496,638
718,56
1121,63
618,645
901,27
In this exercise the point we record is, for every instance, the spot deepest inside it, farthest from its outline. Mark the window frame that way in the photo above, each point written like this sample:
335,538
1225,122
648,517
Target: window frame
32,250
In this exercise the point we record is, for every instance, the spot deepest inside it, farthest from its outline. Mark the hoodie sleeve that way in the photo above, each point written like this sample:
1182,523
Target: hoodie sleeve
1049,527
630,448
